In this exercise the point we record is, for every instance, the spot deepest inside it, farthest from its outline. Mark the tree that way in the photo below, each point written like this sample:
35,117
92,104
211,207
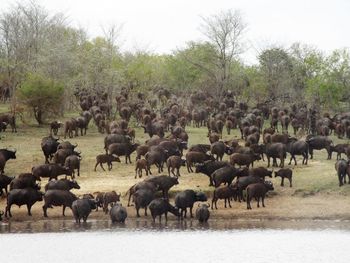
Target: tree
277,67
44,96
224,35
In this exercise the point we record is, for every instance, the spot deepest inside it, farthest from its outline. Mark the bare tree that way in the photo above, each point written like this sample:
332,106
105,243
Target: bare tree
224,32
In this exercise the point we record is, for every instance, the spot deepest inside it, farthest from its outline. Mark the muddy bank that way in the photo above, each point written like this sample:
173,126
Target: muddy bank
314,212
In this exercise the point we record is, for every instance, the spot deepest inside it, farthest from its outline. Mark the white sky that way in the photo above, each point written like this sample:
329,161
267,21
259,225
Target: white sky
161,26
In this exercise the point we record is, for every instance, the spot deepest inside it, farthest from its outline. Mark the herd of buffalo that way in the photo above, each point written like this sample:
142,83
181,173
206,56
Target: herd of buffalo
263,131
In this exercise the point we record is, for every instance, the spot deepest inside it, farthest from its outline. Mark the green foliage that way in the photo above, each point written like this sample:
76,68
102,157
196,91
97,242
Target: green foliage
44,96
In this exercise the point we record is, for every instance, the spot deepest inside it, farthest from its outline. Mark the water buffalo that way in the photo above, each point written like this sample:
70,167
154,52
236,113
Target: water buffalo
141,164
4,182
110,198
62,184
276,150
224,175
50,170
5,155
203,213
141,185
27,196
106,158
208,167
285,173
118,213
58,198
164,183
123,149
195,158
219,149
318,143
175,162
24,180
9,119
186,199
295,147
243,182
342,168
142,198
72,162
261,172
161,206
257,191
49,147
115,138
81,209
244,159
223,192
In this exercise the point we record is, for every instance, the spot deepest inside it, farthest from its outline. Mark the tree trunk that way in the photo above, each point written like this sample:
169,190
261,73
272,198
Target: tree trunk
38,114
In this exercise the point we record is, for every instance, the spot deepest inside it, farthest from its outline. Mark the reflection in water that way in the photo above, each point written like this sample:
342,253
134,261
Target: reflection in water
144,224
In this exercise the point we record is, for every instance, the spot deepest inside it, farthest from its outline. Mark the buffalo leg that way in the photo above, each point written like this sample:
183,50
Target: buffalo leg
225,202
137,211
28,208
262,200
146,211
8,209
290,182
45,210
229,203
64,209
169,170
135,173
102,167
282,181
191,211
258,201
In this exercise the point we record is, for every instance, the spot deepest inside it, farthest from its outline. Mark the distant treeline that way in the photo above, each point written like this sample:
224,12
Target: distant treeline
39,49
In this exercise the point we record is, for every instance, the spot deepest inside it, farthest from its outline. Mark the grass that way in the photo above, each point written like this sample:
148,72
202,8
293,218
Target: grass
315,186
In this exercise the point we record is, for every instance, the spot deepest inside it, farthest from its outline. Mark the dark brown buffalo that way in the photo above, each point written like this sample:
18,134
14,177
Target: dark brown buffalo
244,159
123,149
9,119
52,171
318,143
62,184
27,196
106,158
195,158
24,180
164,183
175,162
161,206
276,150
49,146
58,198
110,198
4,182
223,192
285,173
5,155
257,191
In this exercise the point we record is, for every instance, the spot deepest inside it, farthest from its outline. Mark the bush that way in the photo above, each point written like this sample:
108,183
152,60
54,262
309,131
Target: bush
44,96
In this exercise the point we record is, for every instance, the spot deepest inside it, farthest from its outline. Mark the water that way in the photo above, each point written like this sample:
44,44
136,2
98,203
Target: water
140,240
256,245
